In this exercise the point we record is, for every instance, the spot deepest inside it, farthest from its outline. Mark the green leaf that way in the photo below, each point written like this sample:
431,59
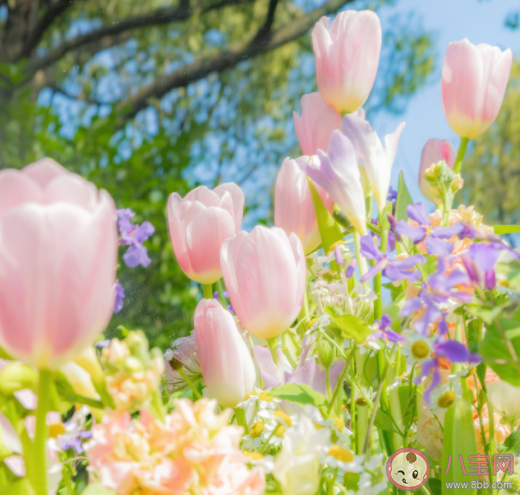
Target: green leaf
512,443
299,394
494,348
350,326
97,489
403,199
506,229
18,487
384,422
435,486
330,231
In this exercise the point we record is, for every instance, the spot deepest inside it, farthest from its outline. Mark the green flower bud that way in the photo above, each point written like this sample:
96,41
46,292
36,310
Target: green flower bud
137,343
326,353
15,377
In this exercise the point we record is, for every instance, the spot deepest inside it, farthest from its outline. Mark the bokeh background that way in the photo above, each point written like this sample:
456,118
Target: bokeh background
148,98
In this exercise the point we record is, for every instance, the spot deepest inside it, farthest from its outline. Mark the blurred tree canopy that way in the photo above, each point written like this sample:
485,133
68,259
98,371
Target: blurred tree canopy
492,170
147,98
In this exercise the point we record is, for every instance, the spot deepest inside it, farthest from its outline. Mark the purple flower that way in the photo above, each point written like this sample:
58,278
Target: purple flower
120,297
102,343
394,270
434,236
351,268
438,290
133,235
392,194
338,255
452,350
72,443
384,331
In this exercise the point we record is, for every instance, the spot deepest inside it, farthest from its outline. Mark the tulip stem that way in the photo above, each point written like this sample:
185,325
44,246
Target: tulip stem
220,291
460,154
40,436
272,348
207,290
240,416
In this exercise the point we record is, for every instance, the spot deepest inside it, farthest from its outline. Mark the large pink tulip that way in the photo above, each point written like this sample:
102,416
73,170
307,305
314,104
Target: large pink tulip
434,151
58,255
316,123
347,56
293,206
225,361
265,276
474,80
199,224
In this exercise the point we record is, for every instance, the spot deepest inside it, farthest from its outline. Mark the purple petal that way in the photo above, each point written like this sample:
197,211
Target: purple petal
395,274
416,234
369,249
393,336
351,268
120,297
436,246
340,260
136,255
436,380
410,262
144,231
490,280
448,232
380,265
418,213
453,350
411,306
385,322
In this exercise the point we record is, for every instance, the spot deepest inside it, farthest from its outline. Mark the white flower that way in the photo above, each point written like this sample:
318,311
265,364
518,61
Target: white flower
505,399
446,395
297,467
417,348
373,479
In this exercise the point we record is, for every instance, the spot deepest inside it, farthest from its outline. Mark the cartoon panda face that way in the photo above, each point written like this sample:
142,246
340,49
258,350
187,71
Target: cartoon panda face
408,470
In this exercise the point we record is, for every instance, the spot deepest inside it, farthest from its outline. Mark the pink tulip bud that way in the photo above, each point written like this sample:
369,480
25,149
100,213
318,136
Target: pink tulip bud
265,276
57,263
316,123
293,206
225,360
474,80
347,56
199,224
434,151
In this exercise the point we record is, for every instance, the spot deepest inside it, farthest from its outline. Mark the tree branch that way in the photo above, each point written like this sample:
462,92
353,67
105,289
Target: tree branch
225,59
108,35
54,10
264,32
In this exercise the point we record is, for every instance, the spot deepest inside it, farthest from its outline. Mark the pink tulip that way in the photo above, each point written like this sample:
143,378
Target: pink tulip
199,224
58,260
347,56
316,123
474,80
225,361
293,206
434,151
265,276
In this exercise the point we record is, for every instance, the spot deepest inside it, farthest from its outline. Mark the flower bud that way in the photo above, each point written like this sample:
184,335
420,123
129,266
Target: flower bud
326,353
14,377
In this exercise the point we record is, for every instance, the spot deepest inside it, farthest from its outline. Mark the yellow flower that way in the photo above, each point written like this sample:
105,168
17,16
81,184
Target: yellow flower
257,429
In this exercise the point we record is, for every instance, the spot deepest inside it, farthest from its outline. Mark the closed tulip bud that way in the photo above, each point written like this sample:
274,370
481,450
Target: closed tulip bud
199,223
89,361
474,80
347,56
57,263
225,361
434,151
265,276
293,206
316,123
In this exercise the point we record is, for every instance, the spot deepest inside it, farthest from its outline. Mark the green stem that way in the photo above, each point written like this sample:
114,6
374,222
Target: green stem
492,446
157,408
304,313
361,261
187,379
240,416
460,154
327,378
207,289
220,291
272,348
40,436
341,378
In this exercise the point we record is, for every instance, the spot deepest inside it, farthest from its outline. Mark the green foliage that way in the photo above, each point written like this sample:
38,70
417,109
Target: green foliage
299,394
350,326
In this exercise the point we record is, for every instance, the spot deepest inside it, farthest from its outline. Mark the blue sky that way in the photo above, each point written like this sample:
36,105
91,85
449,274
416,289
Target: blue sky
449,20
